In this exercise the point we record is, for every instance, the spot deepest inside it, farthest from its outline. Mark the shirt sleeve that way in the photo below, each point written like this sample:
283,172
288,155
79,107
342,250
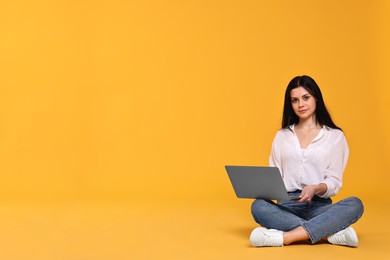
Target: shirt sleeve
275,156
338,161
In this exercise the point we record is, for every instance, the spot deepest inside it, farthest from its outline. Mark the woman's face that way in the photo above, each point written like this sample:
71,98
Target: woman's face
303,103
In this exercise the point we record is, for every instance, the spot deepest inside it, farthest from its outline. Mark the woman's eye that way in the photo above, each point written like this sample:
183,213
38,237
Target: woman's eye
306,98
294,100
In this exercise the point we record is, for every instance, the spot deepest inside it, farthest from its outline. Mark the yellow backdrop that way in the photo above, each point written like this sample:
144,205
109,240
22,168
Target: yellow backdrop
139,100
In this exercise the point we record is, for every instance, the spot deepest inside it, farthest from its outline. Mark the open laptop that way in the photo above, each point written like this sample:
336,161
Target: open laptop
258,182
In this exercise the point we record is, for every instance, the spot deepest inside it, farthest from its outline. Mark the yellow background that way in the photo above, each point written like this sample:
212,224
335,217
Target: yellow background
142,103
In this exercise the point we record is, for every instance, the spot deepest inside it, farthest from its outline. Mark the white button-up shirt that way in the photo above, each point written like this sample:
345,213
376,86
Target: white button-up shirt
323,161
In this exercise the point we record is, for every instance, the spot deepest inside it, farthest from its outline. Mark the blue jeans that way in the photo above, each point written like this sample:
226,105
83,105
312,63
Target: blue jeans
320,218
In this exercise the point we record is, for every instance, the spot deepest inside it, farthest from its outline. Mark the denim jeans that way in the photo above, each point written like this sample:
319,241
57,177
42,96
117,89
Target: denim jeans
320,218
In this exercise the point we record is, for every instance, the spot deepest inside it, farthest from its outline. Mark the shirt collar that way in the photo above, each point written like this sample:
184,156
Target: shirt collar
319,135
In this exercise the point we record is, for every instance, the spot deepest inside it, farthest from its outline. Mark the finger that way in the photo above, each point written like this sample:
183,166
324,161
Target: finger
302,199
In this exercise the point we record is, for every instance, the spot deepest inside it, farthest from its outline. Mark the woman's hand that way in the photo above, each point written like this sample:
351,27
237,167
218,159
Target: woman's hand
309,191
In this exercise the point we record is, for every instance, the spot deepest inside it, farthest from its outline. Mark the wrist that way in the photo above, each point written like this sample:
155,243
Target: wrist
321,189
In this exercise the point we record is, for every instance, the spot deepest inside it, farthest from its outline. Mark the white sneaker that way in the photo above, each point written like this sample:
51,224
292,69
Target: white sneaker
345,237
266,237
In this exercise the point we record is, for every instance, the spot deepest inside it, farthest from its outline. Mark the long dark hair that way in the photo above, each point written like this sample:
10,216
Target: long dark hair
322,115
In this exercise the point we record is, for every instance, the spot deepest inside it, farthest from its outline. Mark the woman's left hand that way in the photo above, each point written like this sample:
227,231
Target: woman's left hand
309,191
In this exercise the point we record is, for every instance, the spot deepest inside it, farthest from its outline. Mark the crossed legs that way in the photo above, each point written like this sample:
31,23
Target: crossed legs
302,221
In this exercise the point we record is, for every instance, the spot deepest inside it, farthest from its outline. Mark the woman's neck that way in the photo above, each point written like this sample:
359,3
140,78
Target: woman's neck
309,123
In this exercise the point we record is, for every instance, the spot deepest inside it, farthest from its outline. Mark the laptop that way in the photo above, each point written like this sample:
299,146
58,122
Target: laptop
258,182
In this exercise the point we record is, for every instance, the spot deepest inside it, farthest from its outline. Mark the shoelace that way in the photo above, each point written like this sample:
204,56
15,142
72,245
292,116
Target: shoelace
339,239
273,239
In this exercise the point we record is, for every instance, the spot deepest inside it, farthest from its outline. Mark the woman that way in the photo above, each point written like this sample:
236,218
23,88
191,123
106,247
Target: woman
311,153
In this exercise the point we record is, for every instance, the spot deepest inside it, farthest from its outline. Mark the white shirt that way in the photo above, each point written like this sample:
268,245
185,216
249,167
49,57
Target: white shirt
323,161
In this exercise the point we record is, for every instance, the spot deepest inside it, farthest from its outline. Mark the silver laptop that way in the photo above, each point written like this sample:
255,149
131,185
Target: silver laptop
257,182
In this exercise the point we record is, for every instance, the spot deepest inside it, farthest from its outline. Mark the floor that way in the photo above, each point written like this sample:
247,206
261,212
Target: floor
176,230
